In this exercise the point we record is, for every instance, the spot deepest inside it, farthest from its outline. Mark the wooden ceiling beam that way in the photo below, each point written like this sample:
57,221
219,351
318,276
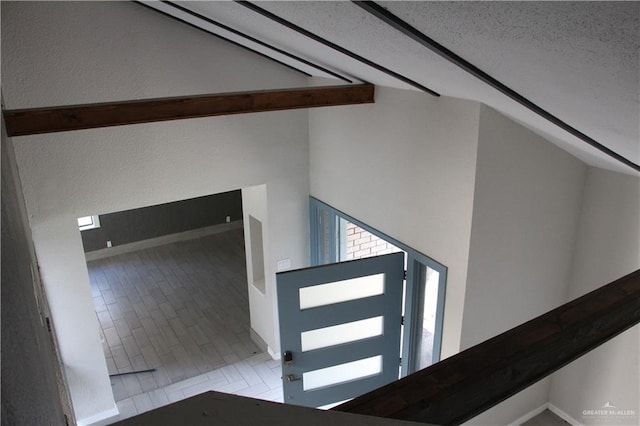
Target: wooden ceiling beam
65,118
458,388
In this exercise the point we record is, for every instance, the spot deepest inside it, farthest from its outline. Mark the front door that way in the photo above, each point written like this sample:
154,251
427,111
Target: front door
340,329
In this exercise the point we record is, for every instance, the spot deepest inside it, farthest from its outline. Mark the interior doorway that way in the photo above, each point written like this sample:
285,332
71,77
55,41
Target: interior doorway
172,306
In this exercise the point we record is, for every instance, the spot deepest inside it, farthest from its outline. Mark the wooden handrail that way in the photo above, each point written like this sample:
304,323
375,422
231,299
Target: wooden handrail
220,409
464,385
76,117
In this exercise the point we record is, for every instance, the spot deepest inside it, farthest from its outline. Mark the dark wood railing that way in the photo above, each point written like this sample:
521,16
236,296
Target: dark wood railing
464,385
451,391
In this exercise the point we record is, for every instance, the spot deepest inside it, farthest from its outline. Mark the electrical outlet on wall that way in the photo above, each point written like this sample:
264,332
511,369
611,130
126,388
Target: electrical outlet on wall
228,219
109,243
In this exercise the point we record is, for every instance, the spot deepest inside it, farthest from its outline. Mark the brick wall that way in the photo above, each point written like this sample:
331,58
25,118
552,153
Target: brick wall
361,244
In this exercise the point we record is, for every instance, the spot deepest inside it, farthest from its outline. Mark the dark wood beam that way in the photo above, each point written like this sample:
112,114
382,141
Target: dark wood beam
463,386
65,118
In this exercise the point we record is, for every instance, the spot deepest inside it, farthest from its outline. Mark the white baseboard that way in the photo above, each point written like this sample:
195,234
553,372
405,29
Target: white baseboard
260,343
255,337
159,241
531,414
103,418
547,405
564,416
273,354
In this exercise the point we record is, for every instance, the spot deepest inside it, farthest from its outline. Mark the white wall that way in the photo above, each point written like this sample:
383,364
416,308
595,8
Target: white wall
255,200
73,52
405,166
528,195
32,379
607,248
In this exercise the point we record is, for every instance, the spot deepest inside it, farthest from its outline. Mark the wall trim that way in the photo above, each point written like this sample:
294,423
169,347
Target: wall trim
262,344
546,406
273,354
405,28
255,337
336,47
528,416
165,239
564,416
103,418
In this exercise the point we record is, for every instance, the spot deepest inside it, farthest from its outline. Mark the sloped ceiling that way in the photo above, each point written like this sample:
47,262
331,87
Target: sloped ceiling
577,61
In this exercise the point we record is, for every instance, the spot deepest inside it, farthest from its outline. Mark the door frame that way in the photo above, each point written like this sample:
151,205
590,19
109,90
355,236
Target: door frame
324,221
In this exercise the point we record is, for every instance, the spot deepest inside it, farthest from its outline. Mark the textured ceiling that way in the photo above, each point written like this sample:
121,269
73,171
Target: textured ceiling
580,61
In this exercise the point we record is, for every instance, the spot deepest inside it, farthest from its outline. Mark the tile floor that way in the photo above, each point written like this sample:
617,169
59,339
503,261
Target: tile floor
181,309
256,377
546,418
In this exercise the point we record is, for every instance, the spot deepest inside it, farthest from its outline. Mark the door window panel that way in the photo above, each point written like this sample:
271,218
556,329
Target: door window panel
342,373
341,291
341,333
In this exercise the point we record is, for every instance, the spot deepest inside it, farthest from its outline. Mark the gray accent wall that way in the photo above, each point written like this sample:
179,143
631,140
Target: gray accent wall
29,389
155,221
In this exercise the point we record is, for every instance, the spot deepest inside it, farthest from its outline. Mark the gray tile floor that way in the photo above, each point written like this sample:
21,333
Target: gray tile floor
546,418
181,309
256,377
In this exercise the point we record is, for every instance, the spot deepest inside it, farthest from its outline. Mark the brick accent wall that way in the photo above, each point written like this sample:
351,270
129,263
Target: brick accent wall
362,243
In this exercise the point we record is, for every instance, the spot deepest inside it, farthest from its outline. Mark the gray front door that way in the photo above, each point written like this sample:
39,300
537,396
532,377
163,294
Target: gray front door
340,329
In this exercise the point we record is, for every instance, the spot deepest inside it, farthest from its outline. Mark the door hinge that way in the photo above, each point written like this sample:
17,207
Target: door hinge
404,276
402,320
400,361
48,324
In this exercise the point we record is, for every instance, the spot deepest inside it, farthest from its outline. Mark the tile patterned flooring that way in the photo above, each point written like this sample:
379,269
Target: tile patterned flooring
182,309
256,377
546,418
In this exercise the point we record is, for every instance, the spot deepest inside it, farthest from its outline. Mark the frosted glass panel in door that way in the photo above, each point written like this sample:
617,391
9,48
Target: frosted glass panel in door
342,373
341,291
342,333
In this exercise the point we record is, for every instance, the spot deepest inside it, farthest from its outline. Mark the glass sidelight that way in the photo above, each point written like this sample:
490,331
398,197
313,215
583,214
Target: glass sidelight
427,317
427,314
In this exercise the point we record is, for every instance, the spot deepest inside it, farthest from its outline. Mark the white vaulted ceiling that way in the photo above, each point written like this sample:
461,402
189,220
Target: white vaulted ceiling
578,61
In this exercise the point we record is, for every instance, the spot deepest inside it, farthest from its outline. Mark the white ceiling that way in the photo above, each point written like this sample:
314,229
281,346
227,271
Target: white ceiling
580,61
